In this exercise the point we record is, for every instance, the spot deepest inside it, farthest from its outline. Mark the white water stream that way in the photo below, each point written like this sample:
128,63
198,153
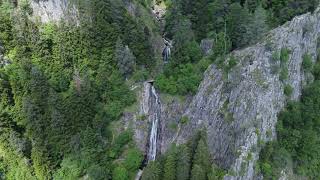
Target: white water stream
152,151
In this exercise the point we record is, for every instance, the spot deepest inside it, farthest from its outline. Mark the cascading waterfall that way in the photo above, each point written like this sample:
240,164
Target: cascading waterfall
154,129
152,151
151,106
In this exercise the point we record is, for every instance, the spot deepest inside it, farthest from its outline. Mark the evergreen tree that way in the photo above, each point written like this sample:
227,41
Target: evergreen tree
222,45
183,163
218,12
170,166
252,4
197,13
237,22
198,173
35,107
152,171
201,160
202,156
125,59
258,26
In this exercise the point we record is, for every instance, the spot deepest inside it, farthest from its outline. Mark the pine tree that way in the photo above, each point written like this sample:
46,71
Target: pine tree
35,111
201,160
222,45
197,13
183,163
170,166
198,173
252,4
257,28
152,171
202,156
218,12
125,59
237,22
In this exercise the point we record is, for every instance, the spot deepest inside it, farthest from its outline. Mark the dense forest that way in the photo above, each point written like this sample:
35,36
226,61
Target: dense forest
65,83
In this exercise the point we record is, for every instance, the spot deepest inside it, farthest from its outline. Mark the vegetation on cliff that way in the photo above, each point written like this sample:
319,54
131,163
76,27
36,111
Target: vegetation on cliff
67,82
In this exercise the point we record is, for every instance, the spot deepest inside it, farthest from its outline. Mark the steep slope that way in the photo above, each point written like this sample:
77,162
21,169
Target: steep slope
240,111
239,108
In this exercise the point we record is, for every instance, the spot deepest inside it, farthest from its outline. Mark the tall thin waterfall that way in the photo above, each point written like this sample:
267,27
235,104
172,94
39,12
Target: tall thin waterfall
152,151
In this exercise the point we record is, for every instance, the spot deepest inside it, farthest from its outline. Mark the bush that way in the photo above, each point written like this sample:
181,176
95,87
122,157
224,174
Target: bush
288,90
316,71
140,75
307,62
184,79
184,120
284,55
133,160
120,173
232,63
284,74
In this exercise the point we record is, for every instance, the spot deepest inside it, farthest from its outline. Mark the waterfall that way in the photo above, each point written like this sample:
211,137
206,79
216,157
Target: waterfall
152,151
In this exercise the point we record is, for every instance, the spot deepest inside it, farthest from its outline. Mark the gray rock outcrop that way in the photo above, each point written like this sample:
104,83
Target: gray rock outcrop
206,46
54,10
239,108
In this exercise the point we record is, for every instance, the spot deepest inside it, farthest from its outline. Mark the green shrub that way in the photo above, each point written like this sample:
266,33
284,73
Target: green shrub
183,80
284,55
307,62
184,120
140,75
283,74
288,90
142,117
316,71
133,160
120,173
232,63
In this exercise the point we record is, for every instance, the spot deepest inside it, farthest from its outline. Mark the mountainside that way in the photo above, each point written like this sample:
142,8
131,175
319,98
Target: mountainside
239,110
152,90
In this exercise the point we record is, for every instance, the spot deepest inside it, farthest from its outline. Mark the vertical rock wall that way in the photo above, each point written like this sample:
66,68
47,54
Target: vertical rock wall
239,110
53,10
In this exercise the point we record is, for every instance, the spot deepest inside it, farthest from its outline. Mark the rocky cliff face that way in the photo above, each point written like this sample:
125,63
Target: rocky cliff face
53,10
239,109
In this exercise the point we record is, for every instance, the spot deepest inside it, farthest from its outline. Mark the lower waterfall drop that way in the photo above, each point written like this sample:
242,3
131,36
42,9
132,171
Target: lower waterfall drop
152,151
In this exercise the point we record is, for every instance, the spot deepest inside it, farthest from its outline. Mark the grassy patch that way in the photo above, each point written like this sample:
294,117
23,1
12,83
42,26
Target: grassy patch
227,116
173,126
142,117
